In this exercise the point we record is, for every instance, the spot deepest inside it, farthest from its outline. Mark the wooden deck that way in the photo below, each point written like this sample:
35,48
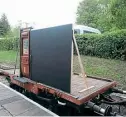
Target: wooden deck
13,103
94,85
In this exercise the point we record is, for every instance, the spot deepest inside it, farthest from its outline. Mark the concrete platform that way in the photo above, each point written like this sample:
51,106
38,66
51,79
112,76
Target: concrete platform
13,103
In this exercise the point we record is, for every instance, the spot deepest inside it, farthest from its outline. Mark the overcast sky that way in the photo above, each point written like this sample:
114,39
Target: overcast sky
41,12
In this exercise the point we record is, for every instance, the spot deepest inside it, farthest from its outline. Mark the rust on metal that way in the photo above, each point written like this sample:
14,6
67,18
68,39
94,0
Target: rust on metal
73,97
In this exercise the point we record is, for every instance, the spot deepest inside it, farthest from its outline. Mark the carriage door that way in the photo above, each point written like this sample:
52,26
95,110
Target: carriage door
24,53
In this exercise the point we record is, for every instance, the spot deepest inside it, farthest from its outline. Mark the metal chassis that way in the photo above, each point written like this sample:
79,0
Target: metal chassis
37,88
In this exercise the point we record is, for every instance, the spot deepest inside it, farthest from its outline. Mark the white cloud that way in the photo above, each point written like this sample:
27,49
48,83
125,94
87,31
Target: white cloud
41,12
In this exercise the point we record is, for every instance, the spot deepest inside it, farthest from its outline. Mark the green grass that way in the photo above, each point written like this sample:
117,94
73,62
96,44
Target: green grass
99,67
7,56
106,68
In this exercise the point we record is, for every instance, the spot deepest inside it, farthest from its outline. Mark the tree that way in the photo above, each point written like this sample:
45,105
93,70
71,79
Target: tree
94,13
4,25
118,12
86,12
102,14
16,31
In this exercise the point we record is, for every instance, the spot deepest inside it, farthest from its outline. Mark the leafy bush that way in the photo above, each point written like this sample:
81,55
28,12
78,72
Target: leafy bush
107,45
9,44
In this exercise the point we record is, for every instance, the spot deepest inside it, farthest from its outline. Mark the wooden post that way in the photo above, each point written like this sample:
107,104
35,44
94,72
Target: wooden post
71,63
80,62
72,59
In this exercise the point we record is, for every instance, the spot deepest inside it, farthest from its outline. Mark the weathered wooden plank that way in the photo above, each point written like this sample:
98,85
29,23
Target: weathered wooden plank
77,84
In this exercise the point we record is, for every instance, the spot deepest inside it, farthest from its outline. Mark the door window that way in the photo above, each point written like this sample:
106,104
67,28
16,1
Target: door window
25,46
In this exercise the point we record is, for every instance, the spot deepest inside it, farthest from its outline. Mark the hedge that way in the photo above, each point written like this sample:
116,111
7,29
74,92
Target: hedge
107,45
9,44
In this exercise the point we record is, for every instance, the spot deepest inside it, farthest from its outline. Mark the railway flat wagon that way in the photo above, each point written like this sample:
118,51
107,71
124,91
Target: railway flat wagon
46,70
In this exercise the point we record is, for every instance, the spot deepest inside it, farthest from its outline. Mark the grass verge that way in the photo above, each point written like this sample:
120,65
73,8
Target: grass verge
99,67
7,56
106,68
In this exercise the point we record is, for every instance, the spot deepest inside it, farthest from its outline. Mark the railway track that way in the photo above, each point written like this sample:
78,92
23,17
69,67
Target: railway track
4,80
